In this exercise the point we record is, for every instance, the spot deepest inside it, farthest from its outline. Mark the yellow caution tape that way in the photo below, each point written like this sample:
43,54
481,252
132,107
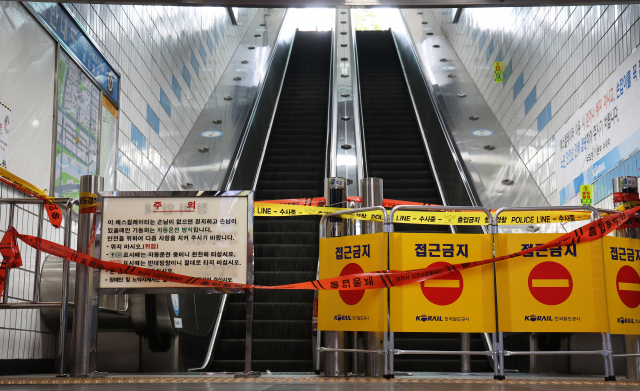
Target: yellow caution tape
628,205
427,217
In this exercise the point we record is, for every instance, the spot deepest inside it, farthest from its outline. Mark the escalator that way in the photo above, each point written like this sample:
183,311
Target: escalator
285,248
396,153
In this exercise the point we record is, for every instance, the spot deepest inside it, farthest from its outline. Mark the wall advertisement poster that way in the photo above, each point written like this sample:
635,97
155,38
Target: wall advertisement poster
601,133
5,130
78,106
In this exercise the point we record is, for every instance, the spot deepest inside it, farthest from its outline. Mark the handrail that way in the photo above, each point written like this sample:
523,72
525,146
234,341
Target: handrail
453,147
323,220
214,335
329,150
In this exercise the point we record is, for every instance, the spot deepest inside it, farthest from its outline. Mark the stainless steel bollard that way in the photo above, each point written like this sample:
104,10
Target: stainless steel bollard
626,187
335,194
85,319
371,193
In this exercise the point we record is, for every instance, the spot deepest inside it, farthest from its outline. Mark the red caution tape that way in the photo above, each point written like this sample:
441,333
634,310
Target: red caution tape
370,280
53,211
393,203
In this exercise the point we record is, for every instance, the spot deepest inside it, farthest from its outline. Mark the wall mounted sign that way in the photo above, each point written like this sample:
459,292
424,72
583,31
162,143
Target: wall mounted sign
601,133
206,236
61,24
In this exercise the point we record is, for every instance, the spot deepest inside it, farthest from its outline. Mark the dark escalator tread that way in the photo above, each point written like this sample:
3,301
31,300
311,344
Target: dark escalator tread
285,248
395,152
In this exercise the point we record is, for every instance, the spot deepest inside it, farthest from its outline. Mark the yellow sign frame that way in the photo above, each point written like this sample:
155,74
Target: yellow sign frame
370,312
473,311
585,310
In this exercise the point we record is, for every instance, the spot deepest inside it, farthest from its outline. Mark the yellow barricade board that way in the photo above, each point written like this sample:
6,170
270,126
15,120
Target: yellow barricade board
354,310
622,281
560,289
459,302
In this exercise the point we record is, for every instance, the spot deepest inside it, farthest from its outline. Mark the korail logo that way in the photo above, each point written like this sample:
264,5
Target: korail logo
425,318
625,320
342,317
598,169
537,318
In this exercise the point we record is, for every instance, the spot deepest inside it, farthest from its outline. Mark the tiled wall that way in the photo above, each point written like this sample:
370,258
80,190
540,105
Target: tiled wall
170,60
554,58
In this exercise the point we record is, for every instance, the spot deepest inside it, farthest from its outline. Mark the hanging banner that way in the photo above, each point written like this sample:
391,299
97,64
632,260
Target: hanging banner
5,130
456,303
353,310
622,274
558,289
601,133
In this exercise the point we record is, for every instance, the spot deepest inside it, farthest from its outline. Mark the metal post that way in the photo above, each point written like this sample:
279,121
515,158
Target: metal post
65,289
335,193
533,346
371,193
36,286
623,188
496,338
85,319
465,346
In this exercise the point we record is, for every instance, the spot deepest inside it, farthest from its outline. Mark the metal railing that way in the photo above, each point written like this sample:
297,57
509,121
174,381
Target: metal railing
66,204
607,347
464,353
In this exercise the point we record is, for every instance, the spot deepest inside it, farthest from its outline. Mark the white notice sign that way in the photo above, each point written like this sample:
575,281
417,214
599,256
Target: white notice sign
5,130
203,237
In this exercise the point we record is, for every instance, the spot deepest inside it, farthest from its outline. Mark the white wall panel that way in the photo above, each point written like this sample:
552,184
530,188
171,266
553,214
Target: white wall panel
565,53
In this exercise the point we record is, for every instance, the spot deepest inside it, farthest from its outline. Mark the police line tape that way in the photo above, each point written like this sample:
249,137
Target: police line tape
53,211
370,280
320,201
443,217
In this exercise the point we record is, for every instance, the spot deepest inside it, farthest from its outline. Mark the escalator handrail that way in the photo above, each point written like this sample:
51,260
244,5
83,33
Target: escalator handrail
356,75
329,161
466,179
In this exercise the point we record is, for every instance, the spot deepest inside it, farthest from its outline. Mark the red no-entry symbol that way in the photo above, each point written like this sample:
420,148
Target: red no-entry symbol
444,290
550,283
351,297
628,285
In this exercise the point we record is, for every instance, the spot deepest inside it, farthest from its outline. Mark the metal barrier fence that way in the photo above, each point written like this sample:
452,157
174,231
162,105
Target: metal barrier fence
19,213
498,351
392,352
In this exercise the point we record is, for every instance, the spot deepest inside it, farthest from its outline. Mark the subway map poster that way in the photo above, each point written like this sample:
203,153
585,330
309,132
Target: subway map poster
78,107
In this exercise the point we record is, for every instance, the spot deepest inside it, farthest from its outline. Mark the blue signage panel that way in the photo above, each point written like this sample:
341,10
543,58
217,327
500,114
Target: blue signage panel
60,23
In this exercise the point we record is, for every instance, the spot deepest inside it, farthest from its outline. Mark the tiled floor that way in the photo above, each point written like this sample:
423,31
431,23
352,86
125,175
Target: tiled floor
276,382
